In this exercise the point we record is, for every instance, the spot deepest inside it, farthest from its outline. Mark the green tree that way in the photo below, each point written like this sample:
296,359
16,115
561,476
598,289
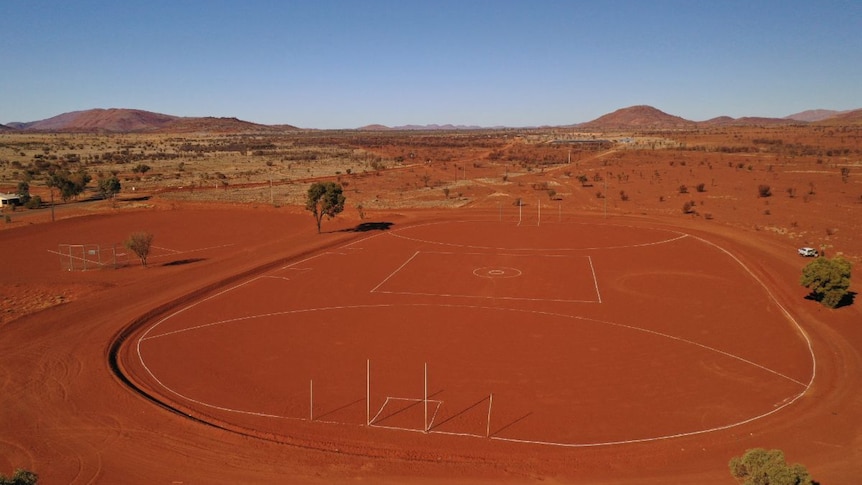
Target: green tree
828,280
24,192
109,186
139,243
69,184
767,467
324,199
21,477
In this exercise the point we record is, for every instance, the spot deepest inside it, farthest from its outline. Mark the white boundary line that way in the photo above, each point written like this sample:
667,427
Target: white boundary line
680,235
778,407
598,299
405,263
595,280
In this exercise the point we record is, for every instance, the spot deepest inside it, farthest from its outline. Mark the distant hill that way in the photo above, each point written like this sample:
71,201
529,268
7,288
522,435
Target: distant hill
214,125
431,127
748,121
814,115
844,118
96,120
117,120
637,118
6,128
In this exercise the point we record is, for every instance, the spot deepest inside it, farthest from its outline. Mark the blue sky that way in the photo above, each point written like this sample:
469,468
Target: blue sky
345,64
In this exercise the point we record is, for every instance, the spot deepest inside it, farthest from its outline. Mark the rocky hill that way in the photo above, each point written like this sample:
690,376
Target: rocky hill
637,118
844,118
814,115
116,120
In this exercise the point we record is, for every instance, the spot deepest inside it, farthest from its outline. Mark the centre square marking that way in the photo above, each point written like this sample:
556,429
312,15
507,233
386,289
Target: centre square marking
538,277
497,272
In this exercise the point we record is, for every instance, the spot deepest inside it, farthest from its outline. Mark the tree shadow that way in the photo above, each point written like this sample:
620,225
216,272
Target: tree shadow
848,299
181,262
462,412
340,408
516,421
370,226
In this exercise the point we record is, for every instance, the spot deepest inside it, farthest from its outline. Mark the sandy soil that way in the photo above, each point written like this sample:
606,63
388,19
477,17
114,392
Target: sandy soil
69,417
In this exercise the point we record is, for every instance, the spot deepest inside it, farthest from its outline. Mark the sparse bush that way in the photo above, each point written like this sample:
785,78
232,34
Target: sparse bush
828,280
701,187
141,168
683,189
845,174
139,243
624,196
764,190
761,467
791,192
35,202
688,207
20,477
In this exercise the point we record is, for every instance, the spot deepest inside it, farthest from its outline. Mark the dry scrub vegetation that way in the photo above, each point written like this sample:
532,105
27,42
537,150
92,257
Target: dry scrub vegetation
812,174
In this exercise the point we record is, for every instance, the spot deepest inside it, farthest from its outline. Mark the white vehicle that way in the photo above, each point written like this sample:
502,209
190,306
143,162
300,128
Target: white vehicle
807,252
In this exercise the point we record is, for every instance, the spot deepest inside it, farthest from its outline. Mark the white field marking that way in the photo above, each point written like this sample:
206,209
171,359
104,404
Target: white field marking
452,433
67,256
447,295
181,310
639,440
167,249
397,234
776,408
408,399
364,239
595,280
784,310
510,298
291,265
176,252
393,273
276,277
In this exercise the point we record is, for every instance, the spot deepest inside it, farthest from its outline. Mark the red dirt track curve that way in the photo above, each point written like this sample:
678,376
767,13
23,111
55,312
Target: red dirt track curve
581,350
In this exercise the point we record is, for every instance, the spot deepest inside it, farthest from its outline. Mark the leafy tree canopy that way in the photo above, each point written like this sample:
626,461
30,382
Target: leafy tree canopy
21,477
828,280
767,467
324,199
68,183
109,186
23,192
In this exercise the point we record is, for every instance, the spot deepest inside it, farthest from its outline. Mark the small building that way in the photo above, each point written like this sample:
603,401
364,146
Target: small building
9,200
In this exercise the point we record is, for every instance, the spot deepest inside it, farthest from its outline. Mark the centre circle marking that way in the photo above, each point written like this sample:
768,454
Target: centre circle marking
497,272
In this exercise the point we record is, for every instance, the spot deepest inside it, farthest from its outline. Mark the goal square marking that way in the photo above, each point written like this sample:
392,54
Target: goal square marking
536,277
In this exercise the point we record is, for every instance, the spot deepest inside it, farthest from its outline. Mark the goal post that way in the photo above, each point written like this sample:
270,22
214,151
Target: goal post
85,257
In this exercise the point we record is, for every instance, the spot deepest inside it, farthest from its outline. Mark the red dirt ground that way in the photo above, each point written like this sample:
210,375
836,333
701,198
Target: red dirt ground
68,417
